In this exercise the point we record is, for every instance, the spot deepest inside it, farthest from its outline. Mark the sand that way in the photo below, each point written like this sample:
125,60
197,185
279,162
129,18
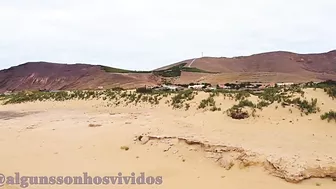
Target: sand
54,139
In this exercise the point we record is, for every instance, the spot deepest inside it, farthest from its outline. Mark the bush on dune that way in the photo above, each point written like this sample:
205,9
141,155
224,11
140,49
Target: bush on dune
262,104
181,97
246,103
331,115
237,113
331,92
210,101
304,105
242,95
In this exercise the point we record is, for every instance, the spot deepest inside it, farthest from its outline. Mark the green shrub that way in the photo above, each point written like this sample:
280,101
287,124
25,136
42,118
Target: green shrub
331,92
181,97
262,104
241,95
331,115
117,89
246,103
210,101
305,106
144,90
271,95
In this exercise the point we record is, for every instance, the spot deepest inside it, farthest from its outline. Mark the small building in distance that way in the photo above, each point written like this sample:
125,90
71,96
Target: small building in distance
211,88
172,87
8,93
223,86
197,86
282,84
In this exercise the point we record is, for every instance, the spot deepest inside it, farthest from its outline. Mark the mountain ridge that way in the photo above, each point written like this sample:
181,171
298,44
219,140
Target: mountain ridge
273,66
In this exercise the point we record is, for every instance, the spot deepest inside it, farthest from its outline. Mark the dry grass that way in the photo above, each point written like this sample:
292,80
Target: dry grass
94,125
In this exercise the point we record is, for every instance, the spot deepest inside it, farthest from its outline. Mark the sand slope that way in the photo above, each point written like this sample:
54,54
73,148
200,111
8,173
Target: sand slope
53,138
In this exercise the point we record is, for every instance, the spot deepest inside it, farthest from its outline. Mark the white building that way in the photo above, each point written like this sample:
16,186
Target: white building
211,88
285,84
8,93
196,86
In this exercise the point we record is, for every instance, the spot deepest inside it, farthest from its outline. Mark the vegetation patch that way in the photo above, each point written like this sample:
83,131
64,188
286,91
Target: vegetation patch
322,85
22,97
117,70
246,103
187,69
179,100
241,95
271,95
304,105
328,86
237,113
144,90
331,115
242,85
175,71
262,104
209,102
181,97
331,92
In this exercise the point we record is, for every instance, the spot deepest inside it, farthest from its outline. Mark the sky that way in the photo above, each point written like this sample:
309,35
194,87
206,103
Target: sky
147,34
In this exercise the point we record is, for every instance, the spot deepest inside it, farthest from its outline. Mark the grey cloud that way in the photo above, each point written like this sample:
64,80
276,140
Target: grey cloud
147,34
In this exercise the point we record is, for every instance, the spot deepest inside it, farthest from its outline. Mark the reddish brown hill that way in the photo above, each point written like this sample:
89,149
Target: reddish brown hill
53,76
282,62
266,67
277,66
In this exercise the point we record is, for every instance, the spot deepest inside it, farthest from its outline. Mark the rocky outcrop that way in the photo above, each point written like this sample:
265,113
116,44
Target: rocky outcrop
228,156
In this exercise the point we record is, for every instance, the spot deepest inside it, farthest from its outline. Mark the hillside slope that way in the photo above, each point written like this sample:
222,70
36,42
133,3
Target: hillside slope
54,76
272,66
266,67
280,61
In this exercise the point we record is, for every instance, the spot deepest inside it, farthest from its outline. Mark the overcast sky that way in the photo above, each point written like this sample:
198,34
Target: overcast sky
146,34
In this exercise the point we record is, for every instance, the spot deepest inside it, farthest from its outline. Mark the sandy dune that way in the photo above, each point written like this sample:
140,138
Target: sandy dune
54,138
